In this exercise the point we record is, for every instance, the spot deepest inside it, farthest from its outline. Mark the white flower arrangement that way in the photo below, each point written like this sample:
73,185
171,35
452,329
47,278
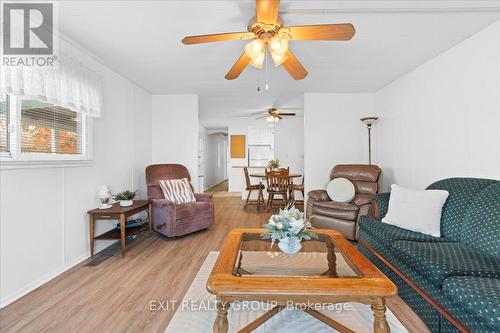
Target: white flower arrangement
289,228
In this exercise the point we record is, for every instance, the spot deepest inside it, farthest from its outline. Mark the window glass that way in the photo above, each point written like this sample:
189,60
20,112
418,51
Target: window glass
48,128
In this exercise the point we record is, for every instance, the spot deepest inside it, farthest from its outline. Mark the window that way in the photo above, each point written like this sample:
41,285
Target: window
33,130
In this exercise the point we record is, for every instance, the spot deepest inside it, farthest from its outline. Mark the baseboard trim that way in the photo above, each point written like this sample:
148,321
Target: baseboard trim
461,327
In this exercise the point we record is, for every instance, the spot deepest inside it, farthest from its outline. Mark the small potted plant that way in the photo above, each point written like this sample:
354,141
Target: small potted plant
125,198
273,164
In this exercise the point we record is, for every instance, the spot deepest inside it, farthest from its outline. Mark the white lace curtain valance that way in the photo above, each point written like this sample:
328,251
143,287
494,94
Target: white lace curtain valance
70,85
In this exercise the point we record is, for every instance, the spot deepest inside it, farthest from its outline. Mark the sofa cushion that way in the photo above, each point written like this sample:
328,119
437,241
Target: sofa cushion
191,209
474,323
481,226
478,295
387,233
437,261
462,193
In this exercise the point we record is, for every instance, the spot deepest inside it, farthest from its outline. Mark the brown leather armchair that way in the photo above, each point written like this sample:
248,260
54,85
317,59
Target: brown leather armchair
327,214
170,219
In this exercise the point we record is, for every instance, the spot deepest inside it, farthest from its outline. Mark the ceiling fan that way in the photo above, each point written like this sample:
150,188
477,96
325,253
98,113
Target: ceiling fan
272,115
267,30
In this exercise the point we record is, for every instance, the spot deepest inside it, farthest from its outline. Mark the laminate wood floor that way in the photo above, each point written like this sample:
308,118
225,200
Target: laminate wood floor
221,187
111,294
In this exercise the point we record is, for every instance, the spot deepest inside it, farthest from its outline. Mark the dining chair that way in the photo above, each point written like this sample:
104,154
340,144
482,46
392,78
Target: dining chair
277,184
257,187
298,188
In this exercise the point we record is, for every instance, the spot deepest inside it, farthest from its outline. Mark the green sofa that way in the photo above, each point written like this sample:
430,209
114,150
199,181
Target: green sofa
452,282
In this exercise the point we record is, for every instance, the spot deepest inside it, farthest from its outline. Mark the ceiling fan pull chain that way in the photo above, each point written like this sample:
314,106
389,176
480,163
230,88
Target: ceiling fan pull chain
266,74
258,80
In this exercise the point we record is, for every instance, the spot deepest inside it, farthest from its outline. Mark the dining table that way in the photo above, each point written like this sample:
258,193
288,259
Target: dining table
291,176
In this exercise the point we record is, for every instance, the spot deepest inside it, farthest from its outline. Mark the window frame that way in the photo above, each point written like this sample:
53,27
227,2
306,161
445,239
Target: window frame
15,158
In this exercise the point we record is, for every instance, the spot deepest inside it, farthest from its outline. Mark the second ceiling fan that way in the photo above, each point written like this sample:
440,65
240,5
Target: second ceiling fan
266,29
272,115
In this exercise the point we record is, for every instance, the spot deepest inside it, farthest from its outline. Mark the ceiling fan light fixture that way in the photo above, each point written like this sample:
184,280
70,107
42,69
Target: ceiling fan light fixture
278,59
255,48
278,45
258,61
272,119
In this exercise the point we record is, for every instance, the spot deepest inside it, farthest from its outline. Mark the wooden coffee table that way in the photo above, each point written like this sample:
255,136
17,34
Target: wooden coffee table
282,283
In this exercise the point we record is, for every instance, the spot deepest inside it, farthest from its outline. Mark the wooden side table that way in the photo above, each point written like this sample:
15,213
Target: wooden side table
121,214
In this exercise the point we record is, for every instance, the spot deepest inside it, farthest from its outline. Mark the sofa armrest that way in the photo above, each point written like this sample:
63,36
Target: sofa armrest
367,219
380,205
319,195
203,197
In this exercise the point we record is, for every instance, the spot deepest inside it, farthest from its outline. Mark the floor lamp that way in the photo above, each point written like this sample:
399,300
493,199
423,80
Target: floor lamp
369,121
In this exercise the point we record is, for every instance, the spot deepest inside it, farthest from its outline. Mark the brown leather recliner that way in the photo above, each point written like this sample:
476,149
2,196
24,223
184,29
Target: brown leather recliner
170,219
327,214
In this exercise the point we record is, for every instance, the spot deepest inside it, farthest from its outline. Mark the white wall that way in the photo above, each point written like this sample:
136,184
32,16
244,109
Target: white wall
289,143
43,220
288,148
215,171
333,134
438,121
442,119
175,132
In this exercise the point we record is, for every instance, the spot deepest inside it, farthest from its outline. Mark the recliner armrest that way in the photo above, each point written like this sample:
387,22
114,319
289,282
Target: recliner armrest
203,197
319,195
163,215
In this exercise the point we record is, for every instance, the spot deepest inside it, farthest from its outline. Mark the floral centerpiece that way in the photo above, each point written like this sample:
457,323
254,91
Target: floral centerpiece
273,164
289,228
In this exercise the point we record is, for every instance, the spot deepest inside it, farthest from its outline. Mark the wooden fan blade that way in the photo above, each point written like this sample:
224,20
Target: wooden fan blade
286,114
238,67
343,31
294,67
267,11
218,37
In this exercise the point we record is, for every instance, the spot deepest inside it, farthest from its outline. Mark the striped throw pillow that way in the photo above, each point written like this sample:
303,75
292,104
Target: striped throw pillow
177,190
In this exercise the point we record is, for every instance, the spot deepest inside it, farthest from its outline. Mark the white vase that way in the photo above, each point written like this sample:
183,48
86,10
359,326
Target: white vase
126,203
290,245
104,194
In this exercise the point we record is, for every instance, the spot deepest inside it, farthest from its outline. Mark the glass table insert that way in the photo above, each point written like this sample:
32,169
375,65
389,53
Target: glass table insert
317,258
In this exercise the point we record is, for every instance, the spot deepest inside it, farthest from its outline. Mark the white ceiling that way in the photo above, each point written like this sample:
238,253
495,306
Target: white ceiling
141,41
